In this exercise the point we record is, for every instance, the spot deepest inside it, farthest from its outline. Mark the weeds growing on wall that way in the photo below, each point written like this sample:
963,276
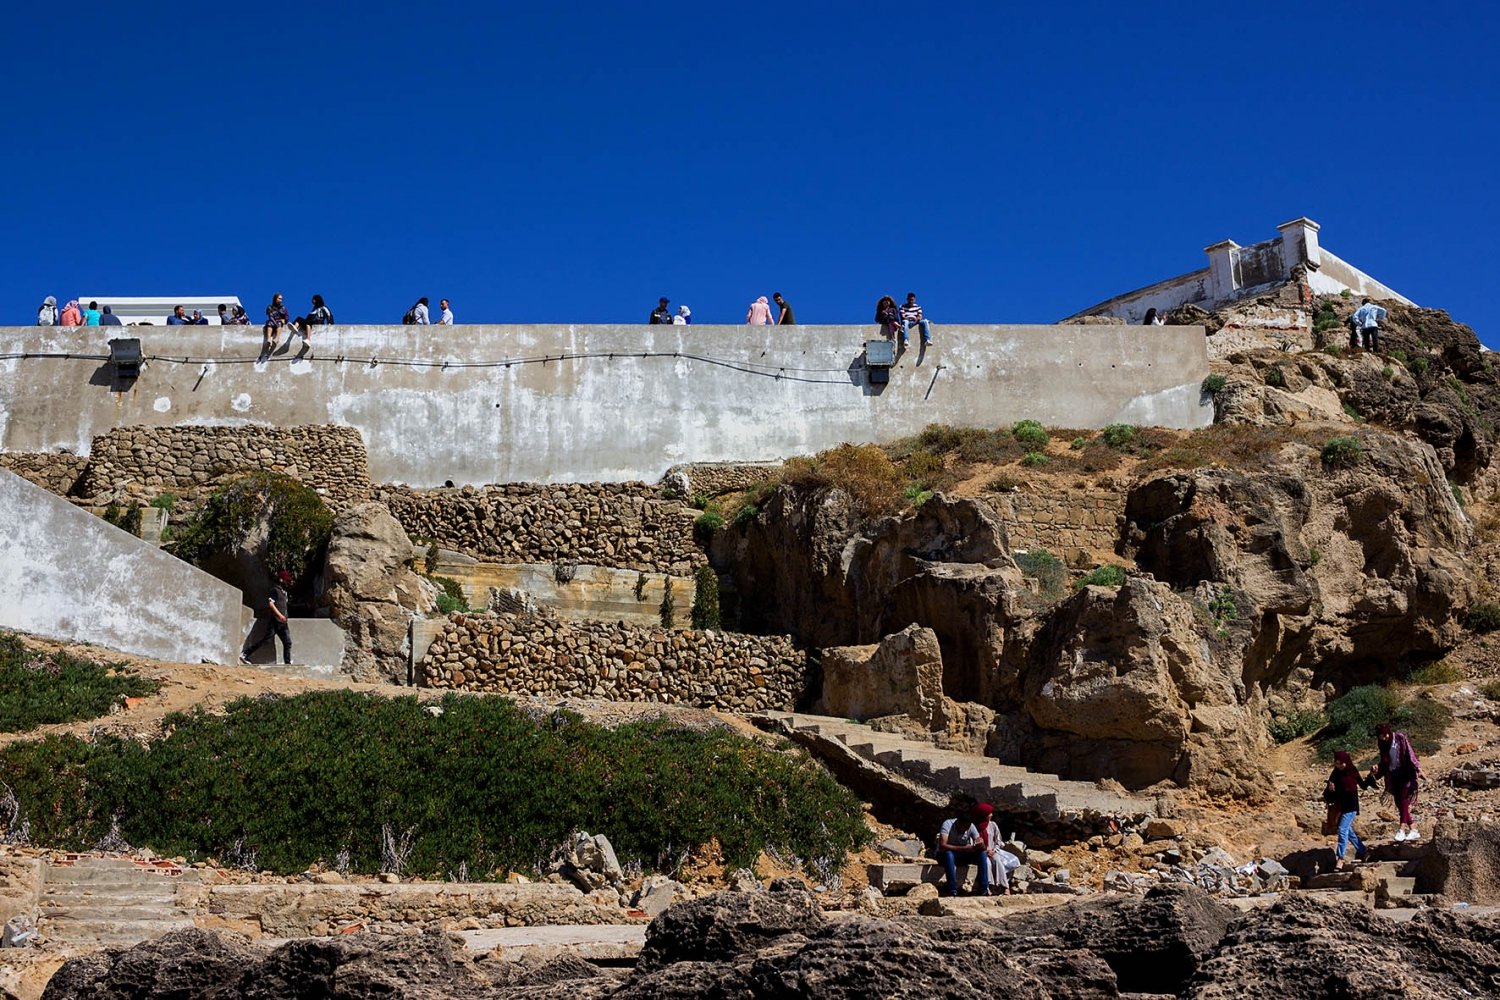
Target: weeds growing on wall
1295,724
1045,568
298,519
128,519
296,781
1104,576
1342,452
40,689
667,610
452,598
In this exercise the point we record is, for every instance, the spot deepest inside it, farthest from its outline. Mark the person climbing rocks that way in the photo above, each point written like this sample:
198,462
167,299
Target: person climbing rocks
1367,319
276,621
1342,794
958,842
1401,769
760,313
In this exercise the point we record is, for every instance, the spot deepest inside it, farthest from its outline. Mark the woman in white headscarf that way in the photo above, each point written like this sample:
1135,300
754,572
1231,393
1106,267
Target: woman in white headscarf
684,317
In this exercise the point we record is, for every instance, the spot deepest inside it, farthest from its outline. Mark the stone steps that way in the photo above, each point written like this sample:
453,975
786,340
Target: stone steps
1011,789
106,901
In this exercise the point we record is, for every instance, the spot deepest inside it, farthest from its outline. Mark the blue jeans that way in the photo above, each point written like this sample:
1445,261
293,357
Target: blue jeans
1347,836
924,325
976,858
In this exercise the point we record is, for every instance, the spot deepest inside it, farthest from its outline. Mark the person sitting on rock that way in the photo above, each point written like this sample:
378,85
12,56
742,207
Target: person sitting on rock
1399,766
999,861
1342,793
958,842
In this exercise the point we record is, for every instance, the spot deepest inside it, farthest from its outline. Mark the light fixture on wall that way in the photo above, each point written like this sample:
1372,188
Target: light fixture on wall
125,358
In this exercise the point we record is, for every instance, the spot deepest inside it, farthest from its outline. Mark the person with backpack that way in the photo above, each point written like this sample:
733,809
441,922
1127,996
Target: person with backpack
417,314
320,315
47,314
71,314
275,320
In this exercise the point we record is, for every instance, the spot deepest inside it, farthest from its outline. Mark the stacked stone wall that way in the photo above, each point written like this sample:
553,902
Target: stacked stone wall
1059,518
136,462
56,472
619,525
715,479
528,655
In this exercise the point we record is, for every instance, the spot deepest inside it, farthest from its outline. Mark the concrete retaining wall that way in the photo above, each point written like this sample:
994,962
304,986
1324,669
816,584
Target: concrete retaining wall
67,574
596,402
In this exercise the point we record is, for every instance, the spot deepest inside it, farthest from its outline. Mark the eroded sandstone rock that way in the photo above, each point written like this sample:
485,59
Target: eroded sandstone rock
372,591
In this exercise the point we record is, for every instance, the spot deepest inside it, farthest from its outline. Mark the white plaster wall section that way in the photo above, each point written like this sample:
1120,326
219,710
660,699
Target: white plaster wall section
1147,411
162,405
241,402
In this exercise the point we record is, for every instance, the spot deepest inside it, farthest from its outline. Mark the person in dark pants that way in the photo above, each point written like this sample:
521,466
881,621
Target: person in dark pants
959,842
276,604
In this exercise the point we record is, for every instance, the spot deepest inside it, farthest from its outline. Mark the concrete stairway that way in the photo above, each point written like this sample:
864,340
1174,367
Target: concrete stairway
1395,874
105,902
1013,791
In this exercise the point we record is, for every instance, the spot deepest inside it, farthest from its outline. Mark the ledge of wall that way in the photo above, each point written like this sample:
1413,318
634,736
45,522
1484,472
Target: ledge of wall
494,404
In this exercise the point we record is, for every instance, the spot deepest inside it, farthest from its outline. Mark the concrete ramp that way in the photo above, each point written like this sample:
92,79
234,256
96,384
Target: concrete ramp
67,574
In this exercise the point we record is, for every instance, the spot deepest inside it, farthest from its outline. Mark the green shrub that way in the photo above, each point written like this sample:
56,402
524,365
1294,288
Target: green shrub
40,689
1104,576
128,519
299,523
708,522
481,784
1342,452
1458,495
1223,610
1034,458
1030,434
1214,384
917,494
1353,717
1296,724
1387,373
1353,414
745,515
1079,443
1482,618
640,587
1120,436
1333,349
165,501
700,501
1346,294
1429,674
1276,377
1045,568
1397,356
666,611
452,598
1419,365
1314,556
705,612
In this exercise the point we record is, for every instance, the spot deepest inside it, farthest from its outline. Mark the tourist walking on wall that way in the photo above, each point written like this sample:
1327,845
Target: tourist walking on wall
1342,795
1367,319
71,314
445,316
319,315
276,621
684,317
47,314
760,312
784,317
417,314
661,314
889,318
958,843
275,319
1400,768
108,318
911,316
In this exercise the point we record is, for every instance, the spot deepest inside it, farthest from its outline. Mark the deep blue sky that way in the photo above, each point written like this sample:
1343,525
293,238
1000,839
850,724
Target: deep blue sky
572,162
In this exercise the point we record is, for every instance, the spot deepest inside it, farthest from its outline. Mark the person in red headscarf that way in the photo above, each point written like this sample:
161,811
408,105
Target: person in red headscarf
1342,793
1399,766
1000,861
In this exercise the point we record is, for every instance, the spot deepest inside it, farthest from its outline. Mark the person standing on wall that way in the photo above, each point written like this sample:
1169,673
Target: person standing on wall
276,620
784,317
911,316
445,317
1367,319
661,314
760,313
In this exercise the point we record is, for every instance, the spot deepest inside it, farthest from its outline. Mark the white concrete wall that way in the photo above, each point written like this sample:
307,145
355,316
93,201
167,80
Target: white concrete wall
482,404
1336,275
67,574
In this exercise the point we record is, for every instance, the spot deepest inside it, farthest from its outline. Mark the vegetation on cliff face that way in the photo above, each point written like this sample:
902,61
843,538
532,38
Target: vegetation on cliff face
471,781
39,689
297,521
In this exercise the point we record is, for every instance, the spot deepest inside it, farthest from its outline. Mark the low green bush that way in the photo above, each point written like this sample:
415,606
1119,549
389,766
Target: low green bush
708,522
1034,458
1079,443
1491,689
667,609
1342,452
1030,433
1419,365
165,501
1296,724
745,515
41,689
1104,576
1002,482
1276,377
1440,672
1482,618
452,598
1353,414
480,784
1121,436
1045,568
1214,384
1353,717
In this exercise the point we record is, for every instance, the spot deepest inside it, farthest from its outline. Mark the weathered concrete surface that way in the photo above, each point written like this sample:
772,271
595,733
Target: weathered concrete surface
596,943
594,593
316,642
67,574
602,403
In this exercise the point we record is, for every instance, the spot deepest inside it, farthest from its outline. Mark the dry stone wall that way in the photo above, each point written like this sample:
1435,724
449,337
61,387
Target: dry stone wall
620,525
145,461
1061,518
715,479
529,655
55,472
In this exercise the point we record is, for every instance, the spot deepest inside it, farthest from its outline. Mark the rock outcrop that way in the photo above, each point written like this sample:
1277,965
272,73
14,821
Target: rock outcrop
372,591
902,675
